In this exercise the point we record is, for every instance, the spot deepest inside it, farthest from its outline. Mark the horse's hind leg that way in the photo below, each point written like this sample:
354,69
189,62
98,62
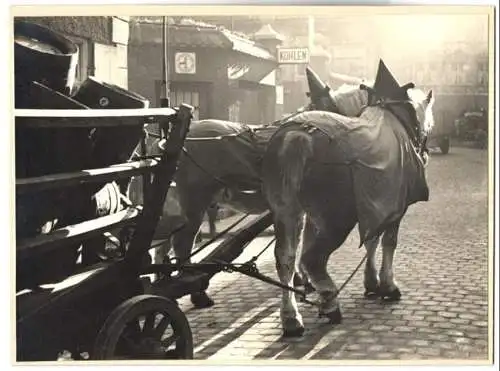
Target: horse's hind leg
212,218
388,287
287,233
300,279
315,258
194,203
371,279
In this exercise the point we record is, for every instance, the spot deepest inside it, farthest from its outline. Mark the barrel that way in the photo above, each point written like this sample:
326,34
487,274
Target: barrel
42,55
112,145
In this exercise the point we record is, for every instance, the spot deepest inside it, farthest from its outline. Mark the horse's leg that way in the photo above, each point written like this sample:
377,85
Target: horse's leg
194,203
388,287
212,217
371,280
300,278
315,258
287,233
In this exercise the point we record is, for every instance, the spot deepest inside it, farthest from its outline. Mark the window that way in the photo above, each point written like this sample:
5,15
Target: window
234,111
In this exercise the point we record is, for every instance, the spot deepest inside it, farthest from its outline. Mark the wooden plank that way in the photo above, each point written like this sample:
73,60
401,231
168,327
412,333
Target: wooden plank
109,113
196,280
94,277
74,118
41,183
38,245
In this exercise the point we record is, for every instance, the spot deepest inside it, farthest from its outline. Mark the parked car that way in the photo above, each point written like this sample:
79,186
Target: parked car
441,135
472,126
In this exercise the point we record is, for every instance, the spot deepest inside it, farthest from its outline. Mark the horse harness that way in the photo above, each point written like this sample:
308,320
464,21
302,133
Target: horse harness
412,127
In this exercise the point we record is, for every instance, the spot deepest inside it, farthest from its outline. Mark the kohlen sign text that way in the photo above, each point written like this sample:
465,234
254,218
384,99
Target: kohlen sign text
293,55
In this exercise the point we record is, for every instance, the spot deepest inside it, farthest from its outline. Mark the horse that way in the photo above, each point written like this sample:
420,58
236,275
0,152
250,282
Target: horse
323,173
222,164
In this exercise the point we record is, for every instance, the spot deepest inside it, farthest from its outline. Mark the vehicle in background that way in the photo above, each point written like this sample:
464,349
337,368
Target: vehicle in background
472,126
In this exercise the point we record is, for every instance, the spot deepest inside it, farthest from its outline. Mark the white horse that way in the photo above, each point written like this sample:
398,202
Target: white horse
323,173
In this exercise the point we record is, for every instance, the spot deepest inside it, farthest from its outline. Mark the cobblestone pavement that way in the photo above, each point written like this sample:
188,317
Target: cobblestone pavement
441,266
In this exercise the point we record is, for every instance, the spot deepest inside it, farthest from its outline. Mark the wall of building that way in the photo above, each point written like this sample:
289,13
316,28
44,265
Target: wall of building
210,81
249,98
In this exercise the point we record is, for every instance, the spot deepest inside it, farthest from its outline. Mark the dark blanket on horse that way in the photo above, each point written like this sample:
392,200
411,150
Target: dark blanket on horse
388,173
231,152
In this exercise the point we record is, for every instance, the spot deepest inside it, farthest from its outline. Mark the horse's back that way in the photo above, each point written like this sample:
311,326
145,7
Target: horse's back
214,128
219,150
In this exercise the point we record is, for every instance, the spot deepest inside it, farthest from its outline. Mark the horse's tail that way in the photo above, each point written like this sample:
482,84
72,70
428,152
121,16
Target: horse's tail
297,149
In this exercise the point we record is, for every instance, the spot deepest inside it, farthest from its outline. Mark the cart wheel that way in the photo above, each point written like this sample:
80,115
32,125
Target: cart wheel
145,327
444,145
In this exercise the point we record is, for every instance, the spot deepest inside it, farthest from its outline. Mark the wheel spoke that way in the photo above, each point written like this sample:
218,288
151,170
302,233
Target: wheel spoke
149,323
162,326
166,343
134,328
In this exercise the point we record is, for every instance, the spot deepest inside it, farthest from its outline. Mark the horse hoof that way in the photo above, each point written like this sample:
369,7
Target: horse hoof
292,328
201,300
394,295
334,317
372,294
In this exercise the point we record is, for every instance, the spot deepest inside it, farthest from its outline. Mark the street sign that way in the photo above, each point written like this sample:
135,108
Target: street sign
293,55
185,63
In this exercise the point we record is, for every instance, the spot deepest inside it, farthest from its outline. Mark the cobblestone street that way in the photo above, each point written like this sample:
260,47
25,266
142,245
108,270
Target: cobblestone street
441,266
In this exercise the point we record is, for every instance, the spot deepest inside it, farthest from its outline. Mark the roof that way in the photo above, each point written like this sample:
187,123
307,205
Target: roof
267,32
198,34
247,46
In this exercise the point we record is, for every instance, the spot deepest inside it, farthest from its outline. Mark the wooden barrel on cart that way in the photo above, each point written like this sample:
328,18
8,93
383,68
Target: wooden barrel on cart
42,55
98,94
44,151
111,145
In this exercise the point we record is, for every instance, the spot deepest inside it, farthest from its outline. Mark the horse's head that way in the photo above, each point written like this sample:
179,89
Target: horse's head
422,103
348,100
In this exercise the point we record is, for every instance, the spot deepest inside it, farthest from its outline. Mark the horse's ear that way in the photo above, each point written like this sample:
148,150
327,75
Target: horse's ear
429,96
407,86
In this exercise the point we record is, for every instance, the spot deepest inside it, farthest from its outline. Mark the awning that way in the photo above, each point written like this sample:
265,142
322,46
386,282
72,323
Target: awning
251,70
247,46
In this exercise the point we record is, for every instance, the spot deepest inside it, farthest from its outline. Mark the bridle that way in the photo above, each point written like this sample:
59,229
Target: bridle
322,101
412,126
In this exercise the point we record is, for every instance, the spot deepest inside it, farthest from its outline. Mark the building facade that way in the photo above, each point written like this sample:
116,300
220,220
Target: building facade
224,75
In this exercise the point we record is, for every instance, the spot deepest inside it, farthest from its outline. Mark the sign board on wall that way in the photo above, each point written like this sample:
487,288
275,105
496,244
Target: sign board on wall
293,55
185,63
